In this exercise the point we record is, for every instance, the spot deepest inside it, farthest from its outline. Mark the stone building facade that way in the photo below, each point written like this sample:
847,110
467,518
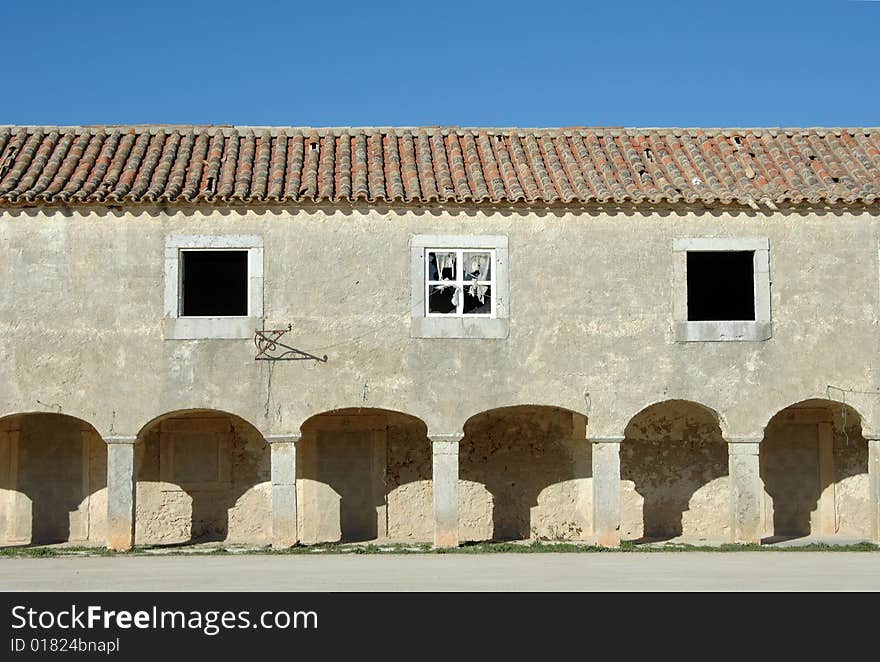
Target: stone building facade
567,334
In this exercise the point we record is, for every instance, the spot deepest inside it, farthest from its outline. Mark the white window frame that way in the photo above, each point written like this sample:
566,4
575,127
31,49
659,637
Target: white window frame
725,330
178,327
460,283
459,324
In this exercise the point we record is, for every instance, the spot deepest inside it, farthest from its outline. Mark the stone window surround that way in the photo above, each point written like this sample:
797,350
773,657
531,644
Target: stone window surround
423,326
193,328
707,331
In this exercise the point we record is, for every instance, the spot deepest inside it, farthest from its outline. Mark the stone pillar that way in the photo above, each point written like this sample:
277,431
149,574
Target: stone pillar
120,492
874,482
746,491
826,507
606,490
284,533
444,452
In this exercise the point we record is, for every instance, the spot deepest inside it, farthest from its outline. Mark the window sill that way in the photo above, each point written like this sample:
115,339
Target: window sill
205,328
722,331
459,327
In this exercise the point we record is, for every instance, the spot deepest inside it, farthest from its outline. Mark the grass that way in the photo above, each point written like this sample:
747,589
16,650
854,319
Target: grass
534,547
54,552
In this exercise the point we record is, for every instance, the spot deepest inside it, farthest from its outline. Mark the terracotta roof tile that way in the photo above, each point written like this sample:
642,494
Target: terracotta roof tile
143,164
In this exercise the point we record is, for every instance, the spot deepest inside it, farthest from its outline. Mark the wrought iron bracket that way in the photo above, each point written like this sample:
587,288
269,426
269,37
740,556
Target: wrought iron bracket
270,348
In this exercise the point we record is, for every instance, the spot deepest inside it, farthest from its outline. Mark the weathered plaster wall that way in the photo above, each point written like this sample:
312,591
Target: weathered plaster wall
410,495
674,475
341,468
790,471
797,492
364,474
852,499
81,332
53,474
525,474
597,337
202,477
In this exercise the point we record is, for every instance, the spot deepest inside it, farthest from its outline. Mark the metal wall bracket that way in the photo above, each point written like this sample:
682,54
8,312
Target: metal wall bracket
269,347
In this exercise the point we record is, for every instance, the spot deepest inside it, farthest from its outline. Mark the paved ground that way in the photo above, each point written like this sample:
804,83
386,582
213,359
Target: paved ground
736,571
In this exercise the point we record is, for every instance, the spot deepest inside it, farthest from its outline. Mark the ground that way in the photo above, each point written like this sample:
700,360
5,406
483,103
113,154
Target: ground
550,571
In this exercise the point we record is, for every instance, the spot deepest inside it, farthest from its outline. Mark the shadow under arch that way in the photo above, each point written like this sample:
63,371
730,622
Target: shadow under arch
53,479
814,468
533,460
203,475
364,473
674,460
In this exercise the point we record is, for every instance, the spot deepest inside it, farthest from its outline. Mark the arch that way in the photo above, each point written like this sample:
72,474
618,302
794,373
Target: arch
53,480
203,475
469,413
525,472
814,468
364,474
194,409
674,474
709,411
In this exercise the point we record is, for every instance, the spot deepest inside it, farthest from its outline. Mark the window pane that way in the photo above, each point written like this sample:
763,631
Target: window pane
477,299
442,298
441,266
477,266
215,283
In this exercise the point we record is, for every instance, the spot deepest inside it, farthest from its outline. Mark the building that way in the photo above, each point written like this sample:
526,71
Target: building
584,334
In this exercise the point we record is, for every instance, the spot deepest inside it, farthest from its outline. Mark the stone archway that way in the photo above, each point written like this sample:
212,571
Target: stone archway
202,476
525,473
814,467
364,474
674,475
53,479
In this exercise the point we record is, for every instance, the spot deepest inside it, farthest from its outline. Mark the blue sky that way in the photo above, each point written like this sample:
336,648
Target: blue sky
375,62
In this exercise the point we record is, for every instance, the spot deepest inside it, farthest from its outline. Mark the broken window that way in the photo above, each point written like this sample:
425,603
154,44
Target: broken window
720,285
214,283
459,282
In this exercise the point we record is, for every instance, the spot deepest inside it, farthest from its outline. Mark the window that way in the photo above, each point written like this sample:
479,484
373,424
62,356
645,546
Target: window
459,282
213,283
459,286
213,286
720,285
722,289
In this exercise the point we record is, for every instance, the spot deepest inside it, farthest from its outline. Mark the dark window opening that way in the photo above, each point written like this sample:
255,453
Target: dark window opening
215,283
720,285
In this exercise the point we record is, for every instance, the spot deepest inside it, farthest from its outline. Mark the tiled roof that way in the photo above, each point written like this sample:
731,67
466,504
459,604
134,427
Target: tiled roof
211,164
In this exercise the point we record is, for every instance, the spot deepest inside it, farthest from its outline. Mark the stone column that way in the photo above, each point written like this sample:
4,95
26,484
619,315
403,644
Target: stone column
746,492
874,482
283,448
606,490
120,492
826,507
444,452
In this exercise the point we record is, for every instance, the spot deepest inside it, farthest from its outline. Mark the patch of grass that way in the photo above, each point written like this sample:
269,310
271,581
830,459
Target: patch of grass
486,547
54,552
